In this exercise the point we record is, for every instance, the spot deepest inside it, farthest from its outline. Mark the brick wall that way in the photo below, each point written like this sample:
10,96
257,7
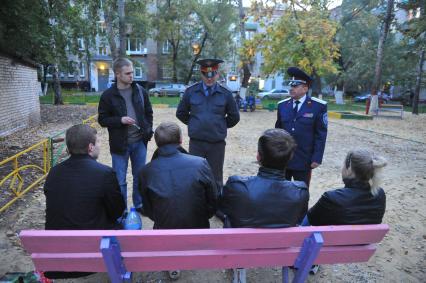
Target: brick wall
19,96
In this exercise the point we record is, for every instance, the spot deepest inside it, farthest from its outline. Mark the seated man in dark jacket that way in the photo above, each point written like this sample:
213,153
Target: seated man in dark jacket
82,194
361,201
178,190
268,199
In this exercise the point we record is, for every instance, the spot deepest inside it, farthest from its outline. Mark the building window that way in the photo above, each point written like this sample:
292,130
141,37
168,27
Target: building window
166,72
102,50
80,42
134,45
82,68
138,72
70,69
167,47
101,27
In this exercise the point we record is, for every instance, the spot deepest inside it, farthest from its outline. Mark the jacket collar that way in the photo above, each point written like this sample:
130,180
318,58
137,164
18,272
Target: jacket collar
271,173
356,184
216,88
81,156
168,149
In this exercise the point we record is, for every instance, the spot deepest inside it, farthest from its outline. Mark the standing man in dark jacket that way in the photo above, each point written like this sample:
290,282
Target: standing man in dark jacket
305,118
267,200
209,110
126,111
82,194
178,189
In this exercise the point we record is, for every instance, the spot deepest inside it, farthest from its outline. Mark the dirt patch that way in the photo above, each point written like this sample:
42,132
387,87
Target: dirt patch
400,257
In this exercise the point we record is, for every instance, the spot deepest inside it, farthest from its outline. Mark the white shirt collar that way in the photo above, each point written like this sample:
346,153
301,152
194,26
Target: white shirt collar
301,100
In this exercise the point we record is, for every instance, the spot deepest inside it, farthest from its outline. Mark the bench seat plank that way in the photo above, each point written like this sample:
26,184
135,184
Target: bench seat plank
86,241
199,259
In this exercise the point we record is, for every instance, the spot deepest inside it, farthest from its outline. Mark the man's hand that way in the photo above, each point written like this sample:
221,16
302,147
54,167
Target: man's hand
127,120
314,165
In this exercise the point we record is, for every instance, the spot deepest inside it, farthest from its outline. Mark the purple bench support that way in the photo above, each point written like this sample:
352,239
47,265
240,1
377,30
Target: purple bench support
308,253
111,254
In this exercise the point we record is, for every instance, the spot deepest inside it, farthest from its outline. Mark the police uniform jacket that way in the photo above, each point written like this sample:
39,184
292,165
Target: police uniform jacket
208,117
178,190
309,129
112,107
266,200
354,204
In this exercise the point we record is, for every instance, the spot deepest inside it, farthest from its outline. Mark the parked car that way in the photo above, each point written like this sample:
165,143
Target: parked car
383,98
274,94
168,90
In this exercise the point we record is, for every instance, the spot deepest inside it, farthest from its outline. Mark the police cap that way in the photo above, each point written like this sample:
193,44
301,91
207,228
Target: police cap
298,77
209,67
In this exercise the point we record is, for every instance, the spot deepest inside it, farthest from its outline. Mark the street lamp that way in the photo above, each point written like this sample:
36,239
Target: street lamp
196,48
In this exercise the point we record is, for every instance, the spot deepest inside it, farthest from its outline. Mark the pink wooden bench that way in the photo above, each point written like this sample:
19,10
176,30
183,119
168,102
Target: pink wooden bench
121,252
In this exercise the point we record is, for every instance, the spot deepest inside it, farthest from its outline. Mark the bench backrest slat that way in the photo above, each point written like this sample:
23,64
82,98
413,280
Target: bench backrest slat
39,241
205,259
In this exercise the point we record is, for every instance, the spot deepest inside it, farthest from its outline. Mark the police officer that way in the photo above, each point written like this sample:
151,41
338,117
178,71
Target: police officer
305,118
208,109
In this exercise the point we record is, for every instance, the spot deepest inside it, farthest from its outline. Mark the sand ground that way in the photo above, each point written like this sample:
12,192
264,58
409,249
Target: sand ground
400,257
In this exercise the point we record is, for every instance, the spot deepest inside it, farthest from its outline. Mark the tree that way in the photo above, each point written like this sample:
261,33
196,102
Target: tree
374,103
55,29
124,19
414,30
246,61
302,36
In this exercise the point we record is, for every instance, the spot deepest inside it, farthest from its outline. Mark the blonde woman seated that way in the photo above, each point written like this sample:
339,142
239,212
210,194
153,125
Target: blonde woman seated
361,201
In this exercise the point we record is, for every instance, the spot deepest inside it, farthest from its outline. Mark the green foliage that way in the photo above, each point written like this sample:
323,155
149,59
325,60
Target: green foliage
300,37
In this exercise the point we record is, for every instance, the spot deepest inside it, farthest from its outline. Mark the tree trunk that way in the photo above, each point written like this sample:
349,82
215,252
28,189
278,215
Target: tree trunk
44,84
245,68
316,86
122,29
57,86
174,61
418,83
110,31
194,61
374,105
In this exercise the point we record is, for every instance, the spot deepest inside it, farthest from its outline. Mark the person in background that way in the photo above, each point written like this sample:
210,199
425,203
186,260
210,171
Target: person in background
208,109
305,118
126,111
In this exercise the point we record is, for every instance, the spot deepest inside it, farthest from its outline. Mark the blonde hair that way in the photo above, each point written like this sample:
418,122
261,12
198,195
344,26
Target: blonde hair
364,165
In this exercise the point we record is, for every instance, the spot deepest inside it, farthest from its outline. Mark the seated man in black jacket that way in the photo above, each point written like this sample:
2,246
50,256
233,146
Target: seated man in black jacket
82,194
267,200
178,190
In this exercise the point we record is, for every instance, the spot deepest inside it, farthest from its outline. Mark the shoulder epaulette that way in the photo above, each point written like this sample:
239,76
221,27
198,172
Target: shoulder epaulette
287,99
194,84
319,100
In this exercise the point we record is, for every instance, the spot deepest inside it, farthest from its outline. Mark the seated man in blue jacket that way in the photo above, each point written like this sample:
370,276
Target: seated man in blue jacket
267,200
178,190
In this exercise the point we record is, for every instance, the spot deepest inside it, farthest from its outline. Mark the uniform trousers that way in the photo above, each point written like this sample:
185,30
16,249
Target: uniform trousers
299,175
215,155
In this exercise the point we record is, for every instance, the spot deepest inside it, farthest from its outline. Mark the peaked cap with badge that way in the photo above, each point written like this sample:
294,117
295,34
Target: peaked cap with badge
297,77
209,67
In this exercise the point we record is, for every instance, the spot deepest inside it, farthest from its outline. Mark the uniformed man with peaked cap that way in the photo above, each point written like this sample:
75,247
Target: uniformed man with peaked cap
305,118
208,109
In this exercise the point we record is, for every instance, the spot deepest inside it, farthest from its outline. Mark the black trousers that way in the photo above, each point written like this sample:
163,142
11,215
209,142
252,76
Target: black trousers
297,175
215,155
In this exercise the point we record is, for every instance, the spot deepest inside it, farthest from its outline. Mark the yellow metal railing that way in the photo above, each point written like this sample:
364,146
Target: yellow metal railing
16,181
50,158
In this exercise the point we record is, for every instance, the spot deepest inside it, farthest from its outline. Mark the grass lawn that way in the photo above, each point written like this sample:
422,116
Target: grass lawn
79,97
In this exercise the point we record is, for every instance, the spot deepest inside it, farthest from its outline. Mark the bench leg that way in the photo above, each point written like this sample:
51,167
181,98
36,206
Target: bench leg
239,275
285,274
308,253
111,253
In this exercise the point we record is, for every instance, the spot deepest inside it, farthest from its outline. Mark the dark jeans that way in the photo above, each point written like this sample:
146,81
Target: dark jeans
137,154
